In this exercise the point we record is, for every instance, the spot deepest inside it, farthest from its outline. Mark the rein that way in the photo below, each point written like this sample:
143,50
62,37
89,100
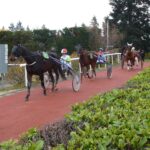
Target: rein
32,63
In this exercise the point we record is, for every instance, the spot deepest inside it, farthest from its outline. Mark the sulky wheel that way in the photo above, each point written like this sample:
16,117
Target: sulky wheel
76,83
109,71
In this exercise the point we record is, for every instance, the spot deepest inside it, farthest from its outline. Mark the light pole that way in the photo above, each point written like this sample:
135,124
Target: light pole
107,42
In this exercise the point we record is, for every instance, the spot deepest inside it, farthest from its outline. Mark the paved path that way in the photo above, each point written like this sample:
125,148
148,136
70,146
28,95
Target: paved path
16,115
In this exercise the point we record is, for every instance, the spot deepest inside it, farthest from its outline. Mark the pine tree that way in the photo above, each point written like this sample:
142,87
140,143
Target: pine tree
19,26
95,35
132,17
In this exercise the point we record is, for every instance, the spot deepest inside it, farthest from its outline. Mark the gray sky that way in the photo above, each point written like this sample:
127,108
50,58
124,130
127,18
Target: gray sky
54,14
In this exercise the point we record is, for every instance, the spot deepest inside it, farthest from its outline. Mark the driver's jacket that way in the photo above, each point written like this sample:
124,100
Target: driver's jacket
65,61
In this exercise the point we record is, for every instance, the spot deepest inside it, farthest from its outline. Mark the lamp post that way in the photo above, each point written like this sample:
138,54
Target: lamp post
107,40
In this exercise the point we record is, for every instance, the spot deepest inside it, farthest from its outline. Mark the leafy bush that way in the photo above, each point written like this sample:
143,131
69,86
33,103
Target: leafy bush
147,55
15,75
56,133
28,141
115,120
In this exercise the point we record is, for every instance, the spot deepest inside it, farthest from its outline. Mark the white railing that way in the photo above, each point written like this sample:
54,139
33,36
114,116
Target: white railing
108,56
112,57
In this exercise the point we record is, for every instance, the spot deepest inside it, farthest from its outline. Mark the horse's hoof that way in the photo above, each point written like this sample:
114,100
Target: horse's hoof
52,89
45,93
56,89
26,99
64,78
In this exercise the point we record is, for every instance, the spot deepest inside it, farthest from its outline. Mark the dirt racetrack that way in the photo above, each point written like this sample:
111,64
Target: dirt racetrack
16,115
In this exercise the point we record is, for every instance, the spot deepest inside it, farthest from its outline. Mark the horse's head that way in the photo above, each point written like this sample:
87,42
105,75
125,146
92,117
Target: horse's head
15,53
129,46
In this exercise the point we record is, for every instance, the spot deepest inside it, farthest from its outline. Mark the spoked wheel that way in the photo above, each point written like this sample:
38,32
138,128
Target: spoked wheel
109,71
75,81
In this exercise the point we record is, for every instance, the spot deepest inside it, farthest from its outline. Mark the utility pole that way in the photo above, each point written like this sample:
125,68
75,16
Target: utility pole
107,33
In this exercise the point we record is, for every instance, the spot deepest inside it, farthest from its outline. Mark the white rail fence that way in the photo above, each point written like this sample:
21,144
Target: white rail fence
108,56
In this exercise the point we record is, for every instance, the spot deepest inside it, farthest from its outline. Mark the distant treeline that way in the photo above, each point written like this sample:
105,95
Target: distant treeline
43,39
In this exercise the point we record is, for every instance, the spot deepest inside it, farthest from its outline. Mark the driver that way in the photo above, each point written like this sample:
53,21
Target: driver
65,60
101,57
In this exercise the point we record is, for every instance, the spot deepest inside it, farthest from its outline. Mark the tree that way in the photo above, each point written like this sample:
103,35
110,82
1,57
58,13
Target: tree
45,38
12,27
19,26
95,35
28,29
132,18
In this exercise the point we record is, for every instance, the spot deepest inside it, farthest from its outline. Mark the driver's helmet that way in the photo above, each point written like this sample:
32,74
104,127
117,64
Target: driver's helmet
53,49
64,51
100,49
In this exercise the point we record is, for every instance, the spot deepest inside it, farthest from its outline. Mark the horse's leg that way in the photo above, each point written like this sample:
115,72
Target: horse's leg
132,62
29,77
57,77
128,64
52,79
136,61
42,83
82,73
93,69
87,70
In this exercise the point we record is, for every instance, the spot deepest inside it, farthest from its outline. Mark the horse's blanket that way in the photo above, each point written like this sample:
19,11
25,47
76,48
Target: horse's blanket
45,55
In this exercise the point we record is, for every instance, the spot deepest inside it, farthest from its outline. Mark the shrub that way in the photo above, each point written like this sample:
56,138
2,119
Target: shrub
15,75
114,120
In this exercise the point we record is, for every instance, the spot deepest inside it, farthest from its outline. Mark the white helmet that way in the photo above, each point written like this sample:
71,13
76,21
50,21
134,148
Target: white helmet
64,51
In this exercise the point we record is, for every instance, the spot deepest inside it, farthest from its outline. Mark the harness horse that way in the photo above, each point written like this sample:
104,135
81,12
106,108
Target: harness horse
87,60
88,63
131,57
37,65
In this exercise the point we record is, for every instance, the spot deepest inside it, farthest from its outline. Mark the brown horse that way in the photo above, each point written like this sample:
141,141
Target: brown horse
87,60
131,56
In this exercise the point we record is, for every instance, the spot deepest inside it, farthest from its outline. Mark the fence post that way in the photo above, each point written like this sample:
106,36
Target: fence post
112,60
118,56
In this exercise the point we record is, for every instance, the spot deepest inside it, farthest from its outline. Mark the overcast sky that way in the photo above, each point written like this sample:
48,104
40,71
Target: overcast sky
54,14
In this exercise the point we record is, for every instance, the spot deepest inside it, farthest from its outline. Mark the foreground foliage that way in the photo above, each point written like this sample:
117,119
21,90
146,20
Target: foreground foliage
116,120
29,140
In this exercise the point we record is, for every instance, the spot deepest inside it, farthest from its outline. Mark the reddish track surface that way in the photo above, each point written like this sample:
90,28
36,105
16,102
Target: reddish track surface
16,115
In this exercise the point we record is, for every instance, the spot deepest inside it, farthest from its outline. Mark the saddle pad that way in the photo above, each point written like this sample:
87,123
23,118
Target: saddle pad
45,55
